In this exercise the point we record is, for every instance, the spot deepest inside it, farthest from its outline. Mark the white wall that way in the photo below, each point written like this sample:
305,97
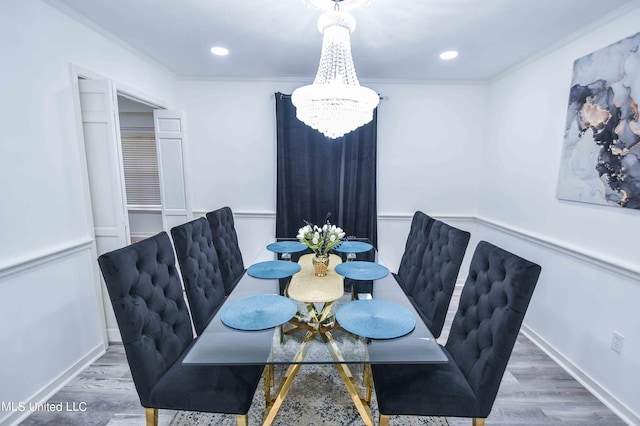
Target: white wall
430,139
483,158
501,141
593,288
233,153
49,307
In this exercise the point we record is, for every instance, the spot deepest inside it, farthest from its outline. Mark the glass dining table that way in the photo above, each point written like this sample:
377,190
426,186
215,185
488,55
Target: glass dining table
314,335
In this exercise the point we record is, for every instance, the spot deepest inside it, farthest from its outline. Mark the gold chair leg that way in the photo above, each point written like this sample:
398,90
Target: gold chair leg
367,382
384,420
152,416
242,419
477,422
268,382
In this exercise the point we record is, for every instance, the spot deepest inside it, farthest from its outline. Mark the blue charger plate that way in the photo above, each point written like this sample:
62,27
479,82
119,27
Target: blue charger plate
360,270
353,247
273,269
376,319
258,312
286,247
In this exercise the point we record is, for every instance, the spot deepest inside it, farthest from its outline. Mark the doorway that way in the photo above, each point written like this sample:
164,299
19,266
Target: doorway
119,218
140,167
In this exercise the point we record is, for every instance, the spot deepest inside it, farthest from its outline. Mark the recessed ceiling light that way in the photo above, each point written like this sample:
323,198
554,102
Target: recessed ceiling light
220,51
449,54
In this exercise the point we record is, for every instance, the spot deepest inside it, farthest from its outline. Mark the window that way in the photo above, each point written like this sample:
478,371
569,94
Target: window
317,175
140,161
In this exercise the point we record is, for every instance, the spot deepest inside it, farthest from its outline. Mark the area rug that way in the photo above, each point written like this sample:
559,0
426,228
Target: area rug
317,397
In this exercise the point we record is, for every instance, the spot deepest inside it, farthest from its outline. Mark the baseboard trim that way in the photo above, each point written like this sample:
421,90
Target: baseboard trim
55,385
585,380
113,335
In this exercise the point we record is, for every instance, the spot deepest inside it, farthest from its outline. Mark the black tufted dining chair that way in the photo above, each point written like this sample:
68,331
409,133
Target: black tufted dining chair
492,306
200,270
414,250
433,288
225,240
429,267
154,323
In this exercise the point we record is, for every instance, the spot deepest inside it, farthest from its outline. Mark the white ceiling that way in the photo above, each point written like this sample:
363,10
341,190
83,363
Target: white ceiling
393,40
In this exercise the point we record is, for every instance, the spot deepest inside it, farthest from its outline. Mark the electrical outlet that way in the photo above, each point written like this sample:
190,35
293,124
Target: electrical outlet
616,342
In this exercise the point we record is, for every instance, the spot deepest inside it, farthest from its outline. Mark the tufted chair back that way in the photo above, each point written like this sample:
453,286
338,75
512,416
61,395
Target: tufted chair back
414,250
225,241
146,294
436,280
200,270
492,306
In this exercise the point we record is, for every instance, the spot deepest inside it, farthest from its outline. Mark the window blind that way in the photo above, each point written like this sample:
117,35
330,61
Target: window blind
140,160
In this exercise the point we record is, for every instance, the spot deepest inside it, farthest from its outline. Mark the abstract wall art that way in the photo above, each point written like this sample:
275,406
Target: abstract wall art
601,152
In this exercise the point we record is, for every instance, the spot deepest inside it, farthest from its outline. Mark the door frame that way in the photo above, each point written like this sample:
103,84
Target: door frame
77,72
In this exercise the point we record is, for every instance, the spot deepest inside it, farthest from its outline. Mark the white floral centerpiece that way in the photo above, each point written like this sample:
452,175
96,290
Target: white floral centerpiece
320,240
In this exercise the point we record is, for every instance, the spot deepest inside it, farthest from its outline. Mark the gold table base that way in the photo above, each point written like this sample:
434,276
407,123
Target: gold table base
320,324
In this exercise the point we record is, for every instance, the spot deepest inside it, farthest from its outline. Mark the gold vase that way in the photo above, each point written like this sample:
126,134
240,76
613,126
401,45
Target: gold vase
321,264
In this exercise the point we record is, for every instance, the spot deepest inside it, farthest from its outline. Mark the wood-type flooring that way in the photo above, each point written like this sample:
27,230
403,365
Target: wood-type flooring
534,391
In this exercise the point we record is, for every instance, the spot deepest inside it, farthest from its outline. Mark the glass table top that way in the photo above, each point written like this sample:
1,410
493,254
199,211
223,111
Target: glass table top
222,345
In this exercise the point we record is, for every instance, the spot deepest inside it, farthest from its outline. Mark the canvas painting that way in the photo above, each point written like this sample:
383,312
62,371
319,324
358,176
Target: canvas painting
601,156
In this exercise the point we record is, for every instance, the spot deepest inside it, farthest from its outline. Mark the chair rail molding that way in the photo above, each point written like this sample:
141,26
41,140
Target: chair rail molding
240,213
51,254
443,217
575,252
589,257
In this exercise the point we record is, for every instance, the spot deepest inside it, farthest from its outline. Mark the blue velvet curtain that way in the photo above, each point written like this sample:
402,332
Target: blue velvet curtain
317,176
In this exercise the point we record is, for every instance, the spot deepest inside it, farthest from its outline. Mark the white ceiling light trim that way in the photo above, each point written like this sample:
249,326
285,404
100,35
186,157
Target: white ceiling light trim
335,104
219,51
448,55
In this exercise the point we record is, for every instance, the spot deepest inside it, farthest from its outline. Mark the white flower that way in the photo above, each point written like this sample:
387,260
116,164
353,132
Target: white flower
320,239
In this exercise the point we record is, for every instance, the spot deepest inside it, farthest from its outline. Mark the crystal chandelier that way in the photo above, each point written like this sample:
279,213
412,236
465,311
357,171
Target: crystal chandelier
335,104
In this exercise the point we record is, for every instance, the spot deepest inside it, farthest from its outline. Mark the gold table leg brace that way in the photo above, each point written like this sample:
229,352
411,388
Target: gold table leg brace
283,389
362,405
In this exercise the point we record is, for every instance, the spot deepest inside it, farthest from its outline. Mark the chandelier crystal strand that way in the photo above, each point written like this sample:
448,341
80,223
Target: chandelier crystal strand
335,104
